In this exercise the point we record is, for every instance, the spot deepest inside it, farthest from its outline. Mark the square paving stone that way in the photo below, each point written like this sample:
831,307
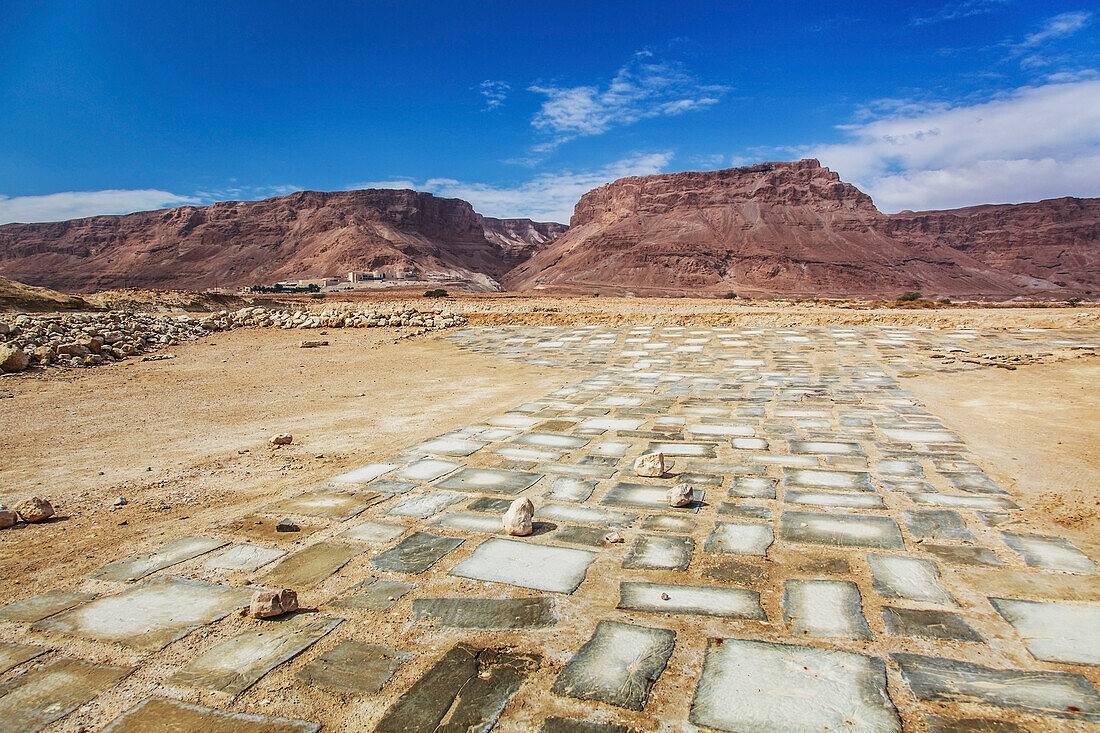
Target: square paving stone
824,608
374,532
490,505
697,600
352,666
963,554
34,700
660,552
586,536
162,715
608,518
541,567
149,616
427,469
1056,694
644,496
372,594
42,605
12,654
753,487
665,523
759,687
827,498
908,577
364,474
310,566
254,526
812,478
618,665
928,624
243,557
416,553
551,440
937,524
490,481
567,488
325,503
841,530
486,614
422,506
737,538
138,566
1049,553
235,665
469,687
1055,631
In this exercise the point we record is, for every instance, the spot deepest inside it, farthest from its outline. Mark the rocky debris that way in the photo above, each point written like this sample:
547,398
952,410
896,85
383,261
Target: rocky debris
681,495
7,517
35,509
13,358
120,501
281,439
517,520
312,344
287,525
613,538
650,464
269,603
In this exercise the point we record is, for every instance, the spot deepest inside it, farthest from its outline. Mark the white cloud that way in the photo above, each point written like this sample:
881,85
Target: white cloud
494,92
643,88
1037,142
956,10
80,204
1059,26
546,197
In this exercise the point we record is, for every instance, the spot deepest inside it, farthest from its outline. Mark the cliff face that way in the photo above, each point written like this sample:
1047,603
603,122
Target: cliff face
792,229
305,234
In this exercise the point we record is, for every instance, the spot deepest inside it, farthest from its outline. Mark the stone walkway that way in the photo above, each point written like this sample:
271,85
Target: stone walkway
847,565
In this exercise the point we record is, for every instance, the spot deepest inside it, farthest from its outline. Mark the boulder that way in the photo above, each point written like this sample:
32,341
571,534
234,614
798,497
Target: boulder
270,603
517,520
650,464
13,358
282,439
34,509
7,517
681,495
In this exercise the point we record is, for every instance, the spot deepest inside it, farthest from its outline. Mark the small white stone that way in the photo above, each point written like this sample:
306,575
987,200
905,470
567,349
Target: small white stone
517,520
650,464
613,538
268,604
681,495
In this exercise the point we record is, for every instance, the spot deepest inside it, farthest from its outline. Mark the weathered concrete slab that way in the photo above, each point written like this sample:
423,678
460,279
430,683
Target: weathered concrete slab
644,496
813,478
466,690
372,594
416,553
908,577
618,665
12,654
352,666
138,566
554,441
697,600
980,503
427,469
1049,553
828,498
608,518
541,567
486,614
738,538
243,557
683,450
665,523
459,447
163,715
470,522
937,524
326,503
825,609
567,488
758,687
42,605
310,566
34,700
928,624
149,616
235,665
660,552
422,506
378,533
1055,632
753,487
841,530
490,481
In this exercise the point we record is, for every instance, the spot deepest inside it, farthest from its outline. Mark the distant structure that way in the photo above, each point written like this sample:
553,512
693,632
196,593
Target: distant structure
358,277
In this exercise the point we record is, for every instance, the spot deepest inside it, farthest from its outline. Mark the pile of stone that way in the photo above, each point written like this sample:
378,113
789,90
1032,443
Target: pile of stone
90,339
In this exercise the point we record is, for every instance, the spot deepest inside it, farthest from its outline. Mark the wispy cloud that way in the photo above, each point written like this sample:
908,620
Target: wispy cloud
1059,26
643,88
245,193
1036,142
546,197
80,204
494,93
956,10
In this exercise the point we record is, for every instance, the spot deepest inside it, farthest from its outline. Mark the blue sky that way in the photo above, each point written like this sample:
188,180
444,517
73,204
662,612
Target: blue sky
110,107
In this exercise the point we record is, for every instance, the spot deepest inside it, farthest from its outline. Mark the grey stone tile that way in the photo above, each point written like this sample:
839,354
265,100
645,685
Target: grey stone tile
553,441
444,446
586,536
12,654
826,448
427,469
685,450
486,614
829,480
744,511
415,554
608,518
571,725
372,594
422,506
981,503
660,552
243,557
665,523
326,503
738,538
928,624
963,554
490,505
587,471
753,487
541,567
1049,553
909,578
138,566
618,665
841,530
738,572
310,566
490,481
42,605
975,483
364,474
848,500
374,532
697,600
388,486
566,488
470,522
163,715
1055,631
824,608
644,496
258,527
352,666
34,700
937,524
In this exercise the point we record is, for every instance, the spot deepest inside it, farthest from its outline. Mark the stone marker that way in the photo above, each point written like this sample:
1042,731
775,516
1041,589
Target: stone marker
269,603
35,509
517,520
282,439
681,495
650,464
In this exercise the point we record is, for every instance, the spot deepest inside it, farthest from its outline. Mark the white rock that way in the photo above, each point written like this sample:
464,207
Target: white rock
613,538
681,495
517,520
650,464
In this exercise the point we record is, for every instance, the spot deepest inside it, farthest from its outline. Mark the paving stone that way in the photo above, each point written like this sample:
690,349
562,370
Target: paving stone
665,523
235,665
608,518
740,539
470,522
963,554
541,567
372,594
689,450
977,483
138,566
841,530
826,498
644,496
928,624
586,536
908,577
910,435
364,474
255,526
42,605
610,448
982,503
1055,631
589,471
738,573
707,479
243,557
490,505
1049,553
374,532
162,715
618,665
1055,694
753,487
897,467
310,566
698,600
490,481
325,503
937,524
466,690
12,654
551,440
660,552
571,725
352,666
424,505
448,447
566,488
937,724
149,616
388,486
749,443
32,701
427,469
824,608
759,687
826,448
812,478
416,553
486,614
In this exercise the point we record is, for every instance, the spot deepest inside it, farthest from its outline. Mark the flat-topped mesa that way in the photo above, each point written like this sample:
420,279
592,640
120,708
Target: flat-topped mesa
799,183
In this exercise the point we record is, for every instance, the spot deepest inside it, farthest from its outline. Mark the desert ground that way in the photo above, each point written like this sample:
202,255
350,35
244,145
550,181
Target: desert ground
895,525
